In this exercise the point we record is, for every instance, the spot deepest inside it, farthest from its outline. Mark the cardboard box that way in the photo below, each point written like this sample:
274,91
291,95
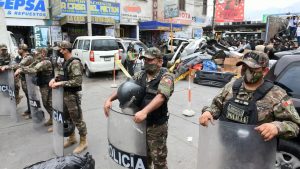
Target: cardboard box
219,61
230,65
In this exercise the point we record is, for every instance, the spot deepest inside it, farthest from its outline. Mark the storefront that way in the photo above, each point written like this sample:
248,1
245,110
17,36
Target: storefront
72,16
133,12
21,19
151,31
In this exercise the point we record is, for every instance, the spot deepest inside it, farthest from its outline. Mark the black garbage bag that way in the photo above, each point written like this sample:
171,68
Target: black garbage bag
74,161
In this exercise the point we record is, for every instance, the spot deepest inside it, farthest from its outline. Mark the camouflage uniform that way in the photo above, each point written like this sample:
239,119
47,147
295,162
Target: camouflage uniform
5,58
157,133
44,66
275,107
72,100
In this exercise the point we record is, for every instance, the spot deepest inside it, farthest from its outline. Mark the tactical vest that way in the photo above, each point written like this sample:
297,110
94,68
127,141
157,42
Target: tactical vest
243,111
160,115
44,77
66,76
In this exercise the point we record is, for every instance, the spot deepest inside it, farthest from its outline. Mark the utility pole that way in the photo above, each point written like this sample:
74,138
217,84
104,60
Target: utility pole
89,18
213,18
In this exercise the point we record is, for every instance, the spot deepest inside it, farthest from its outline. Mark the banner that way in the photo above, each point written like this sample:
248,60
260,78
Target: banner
41,36
56,35
171,9
229,11
37,9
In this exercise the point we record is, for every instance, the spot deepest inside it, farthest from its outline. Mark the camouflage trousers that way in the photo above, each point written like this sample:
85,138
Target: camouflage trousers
17,89
46,93
24,87
72,110
157,146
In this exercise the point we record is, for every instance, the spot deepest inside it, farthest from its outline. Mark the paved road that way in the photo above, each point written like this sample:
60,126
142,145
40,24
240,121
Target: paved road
20,145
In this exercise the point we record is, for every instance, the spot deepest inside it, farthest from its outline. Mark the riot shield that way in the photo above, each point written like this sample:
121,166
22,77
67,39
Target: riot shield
35,101
58,119
127,140
228,145
7,95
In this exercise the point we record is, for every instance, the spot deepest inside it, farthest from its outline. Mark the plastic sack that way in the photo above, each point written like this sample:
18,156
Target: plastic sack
74,161
209,65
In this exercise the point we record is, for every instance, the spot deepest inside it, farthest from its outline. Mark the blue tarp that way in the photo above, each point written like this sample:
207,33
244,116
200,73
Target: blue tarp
156,25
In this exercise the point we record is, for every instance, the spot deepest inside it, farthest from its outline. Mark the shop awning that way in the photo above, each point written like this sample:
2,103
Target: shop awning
156,25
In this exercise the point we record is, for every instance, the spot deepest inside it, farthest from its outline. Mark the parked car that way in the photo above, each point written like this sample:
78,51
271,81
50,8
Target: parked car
96,53
137,45
285,73
278,55
176,43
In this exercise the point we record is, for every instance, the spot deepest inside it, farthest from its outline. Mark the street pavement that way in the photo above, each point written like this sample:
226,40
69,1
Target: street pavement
21,145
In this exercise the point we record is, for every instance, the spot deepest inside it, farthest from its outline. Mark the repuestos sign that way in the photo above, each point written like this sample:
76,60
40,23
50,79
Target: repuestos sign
25,8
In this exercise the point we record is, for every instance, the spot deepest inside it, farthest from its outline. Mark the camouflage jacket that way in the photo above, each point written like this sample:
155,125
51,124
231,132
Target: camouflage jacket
166,84
75,72
44,66
275,107
26,61
5,59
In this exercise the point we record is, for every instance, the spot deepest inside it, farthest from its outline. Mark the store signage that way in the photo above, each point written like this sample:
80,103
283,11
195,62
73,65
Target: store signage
133,9
155,10
25,8
184,18
103,20
41,36
97,8
134,13
73,19
83,19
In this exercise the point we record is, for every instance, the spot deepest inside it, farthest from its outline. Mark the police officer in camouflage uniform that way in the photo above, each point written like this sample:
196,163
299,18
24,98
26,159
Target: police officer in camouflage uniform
27,60
71,80
258,102
6,59
44,73
159,86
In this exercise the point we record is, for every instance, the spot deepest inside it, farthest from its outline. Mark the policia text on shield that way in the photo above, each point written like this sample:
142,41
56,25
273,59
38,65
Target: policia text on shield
158,86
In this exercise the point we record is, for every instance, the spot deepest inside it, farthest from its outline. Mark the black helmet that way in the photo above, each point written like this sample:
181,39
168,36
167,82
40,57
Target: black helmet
130,94
39,116
69,128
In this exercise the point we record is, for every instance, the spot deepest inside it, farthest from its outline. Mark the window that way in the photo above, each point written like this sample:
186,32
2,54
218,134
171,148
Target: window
204,10
80,44
182,5
120,46
75,44
86,45
291,74
104,45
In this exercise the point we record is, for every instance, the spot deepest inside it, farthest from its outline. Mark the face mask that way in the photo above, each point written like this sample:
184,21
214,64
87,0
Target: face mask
252,77
60,54
151,68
